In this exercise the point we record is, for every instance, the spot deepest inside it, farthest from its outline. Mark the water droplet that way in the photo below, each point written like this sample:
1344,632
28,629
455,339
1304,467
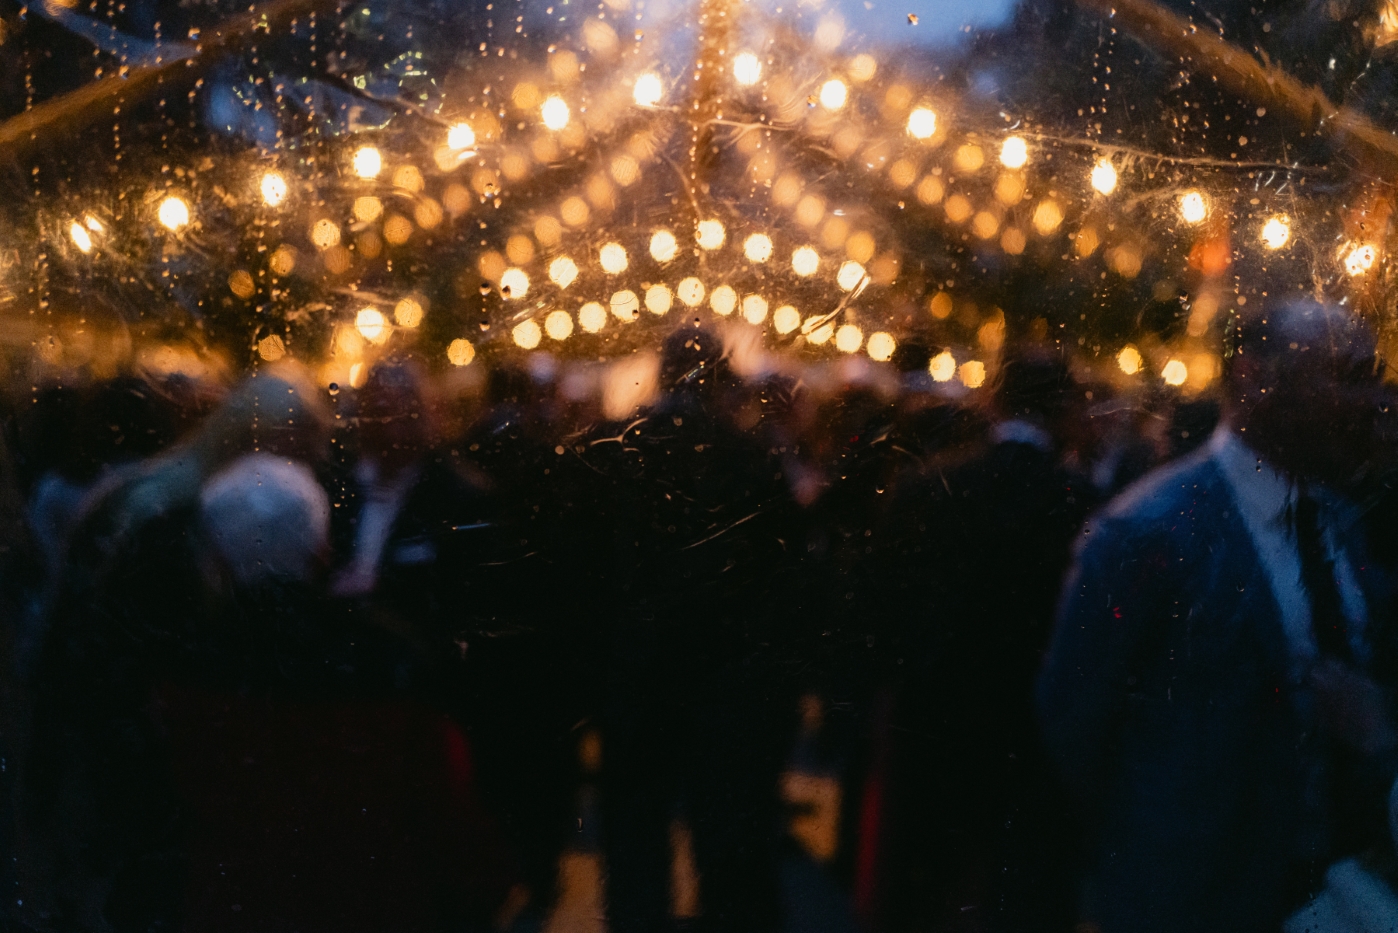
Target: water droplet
912,19
485,289
334,388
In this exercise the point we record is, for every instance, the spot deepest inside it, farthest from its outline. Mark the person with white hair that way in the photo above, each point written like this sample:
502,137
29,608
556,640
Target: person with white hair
267,519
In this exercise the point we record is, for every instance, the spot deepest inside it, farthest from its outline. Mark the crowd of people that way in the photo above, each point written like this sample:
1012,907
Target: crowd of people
289,657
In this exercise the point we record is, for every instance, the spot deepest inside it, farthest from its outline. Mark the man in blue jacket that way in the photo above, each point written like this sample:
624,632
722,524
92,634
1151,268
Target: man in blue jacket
1213,689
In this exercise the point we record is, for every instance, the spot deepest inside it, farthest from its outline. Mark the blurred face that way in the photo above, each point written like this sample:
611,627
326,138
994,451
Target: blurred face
1313,410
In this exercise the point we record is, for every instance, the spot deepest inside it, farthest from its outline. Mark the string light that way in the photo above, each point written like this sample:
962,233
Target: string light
690,291
747,69
526,335
592,317
1360,259
81,238
367,162
972,374
613,258
817,334
710,234
786,319
922,123
460,136
758,247
1014,152
663,246
274,189
724,300
848,338
1103,177
408,313
626,306
1129,360
1276,232
850,275
514,284
372,325
658,299
460,352
173,213
555,113
1193,207
754,309
558,325
648,90
833,94
805,261
943,367
563,271
881,346
1175,373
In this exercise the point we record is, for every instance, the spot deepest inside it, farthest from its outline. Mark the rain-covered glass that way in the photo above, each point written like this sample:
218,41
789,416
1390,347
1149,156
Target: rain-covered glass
820,466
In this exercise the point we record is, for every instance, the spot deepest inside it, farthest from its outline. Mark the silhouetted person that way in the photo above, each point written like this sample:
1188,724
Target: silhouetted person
1216,693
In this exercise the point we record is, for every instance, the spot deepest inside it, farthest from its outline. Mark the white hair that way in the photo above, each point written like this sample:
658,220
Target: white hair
267,518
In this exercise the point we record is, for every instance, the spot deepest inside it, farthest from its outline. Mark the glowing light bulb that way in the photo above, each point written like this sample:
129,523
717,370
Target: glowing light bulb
663,246
558,325
850,275
805,261
613,258
943,367
408,313
833,94
1175,373
372,325
461,136
881,346
325,234
274,189
724,300
747,69
973,374
514,284
1129,360
526,335
1014,152
563,271
710,234
848,338
1360,259
367,162
786,319
648,90
922,123
460,352
93,224
690,291
1276,232
754,309
1103,177
758,247
555,113
81,238
592,317
1193,207
625,305
173,213
658,299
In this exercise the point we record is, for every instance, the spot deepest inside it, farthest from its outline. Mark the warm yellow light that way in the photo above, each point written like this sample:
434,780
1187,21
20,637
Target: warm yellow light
367,209
805,261
758,247
325,234
173,213
1014,152
81,238
357,375
625,305
592,317
754,309
274,189
408,313
747,69
1047,217
723,300
648,90
833,94
1129,359
372,325
973,374
563,271
1175,373
460,352
862,67
1103,177
690,291
1276,232
968,158
555,113
710,234
93,224
558,325
461,136
922,123
881,346
658,299
613,258
514,284
367,162
848,338
786,319
1193,207
526,335
663,246
1360,259
942,367
851,274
